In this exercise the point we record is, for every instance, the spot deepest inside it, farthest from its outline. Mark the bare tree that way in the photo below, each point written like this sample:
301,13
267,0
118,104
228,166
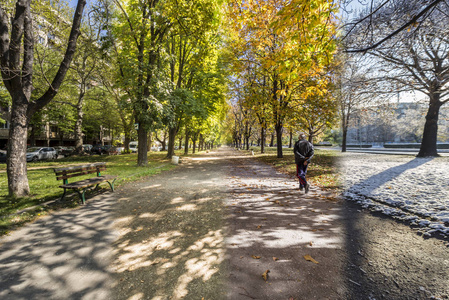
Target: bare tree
354,90
403,18
417,60
16,61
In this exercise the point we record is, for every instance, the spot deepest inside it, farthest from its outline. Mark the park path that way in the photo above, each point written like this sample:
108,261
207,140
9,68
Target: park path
62,256
210,229
274,226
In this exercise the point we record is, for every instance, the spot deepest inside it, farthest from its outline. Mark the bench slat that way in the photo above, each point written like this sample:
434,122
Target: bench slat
87,182
81,169
103,164
75,174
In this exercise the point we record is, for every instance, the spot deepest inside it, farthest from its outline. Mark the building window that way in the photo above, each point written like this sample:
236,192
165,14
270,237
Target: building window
4,125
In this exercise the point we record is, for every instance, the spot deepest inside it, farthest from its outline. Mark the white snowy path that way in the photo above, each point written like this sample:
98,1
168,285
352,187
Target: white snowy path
405,187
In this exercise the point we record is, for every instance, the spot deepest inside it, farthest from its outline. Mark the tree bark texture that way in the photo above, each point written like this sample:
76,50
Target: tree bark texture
171,141
279,140
79,124
17,144
429,140
186,143
142,154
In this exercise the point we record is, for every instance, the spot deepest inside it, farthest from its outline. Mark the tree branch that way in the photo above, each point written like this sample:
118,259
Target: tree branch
409,23
71,47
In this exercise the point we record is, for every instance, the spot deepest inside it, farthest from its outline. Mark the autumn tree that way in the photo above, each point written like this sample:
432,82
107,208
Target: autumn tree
290,41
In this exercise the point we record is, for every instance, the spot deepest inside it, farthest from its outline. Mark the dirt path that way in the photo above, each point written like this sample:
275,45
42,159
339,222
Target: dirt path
274,226
209,229
171,233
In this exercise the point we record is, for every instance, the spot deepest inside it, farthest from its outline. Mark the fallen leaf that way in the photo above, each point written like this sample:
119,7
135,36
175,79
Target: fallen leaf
309,258
311,244
259,226
275,258
265,275
255,256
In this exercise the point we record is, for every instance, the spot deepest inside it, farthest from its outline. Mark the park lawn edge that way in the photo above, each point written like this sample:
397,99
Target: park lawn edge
16,212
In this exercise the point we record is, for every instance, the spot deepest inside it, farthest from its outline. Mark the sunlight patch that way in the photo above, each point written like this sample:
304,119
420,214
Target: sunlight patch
187,207
177,200
139,255
151,186
204,266
149,215
137,296
203,200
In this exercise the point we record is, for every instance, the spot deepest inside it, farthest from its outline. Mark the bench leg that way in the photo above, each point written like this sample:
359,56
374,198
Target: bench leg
81,195
111,184
63,195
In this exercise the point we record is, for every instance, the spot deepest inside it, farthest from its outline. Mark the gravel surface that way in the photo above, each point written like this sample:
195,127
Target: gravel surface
407,188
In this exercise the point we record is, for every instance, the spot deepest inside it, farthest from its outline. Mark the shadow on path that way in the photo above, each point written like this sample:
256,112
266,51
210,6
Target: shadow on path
61,256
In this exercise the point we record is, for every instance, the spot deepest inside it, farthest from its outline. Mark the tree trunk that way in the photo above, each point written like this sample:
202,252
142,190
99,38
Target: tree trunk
429,140
180,142
127,141
279,140
310,139
79,125
344,127
186,143
272,140
290,143
193,146
343,142
17,144
262,138
171,141
142,154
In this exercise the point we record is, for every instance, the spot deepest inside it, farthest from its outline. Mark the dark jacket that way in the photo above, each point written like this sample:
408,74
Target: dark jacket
302,149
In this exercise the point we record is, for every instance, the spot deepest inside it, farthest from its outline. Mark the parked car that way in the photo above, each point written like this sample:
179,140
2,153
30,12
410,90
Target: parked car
110,150
87,148
97,149
133,146
106,149
67,151
2,156
41,153
120,149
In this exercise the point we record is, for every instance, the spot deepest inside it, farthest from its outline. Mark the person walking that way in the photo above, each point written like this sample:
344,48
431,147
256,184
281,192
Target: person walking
303,150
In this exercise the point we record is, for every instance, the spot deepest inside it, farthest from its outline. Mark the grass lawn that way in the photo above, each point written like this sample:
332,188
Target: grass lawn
321,172
44,186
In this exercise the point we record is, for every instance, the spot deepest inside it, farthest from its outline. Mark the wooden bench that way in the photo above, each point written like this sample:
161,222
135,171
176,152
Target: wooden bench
81,186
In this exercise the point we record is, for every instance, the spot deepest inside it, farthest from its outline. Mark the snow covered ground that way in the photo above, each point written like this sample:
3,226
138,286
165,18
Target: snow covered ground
405,187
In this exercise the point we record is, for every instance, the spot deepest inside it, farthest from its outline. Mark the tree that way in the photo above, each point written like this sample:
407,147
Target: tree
16,61
140,31
414,13
418,61
353,90
290,41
